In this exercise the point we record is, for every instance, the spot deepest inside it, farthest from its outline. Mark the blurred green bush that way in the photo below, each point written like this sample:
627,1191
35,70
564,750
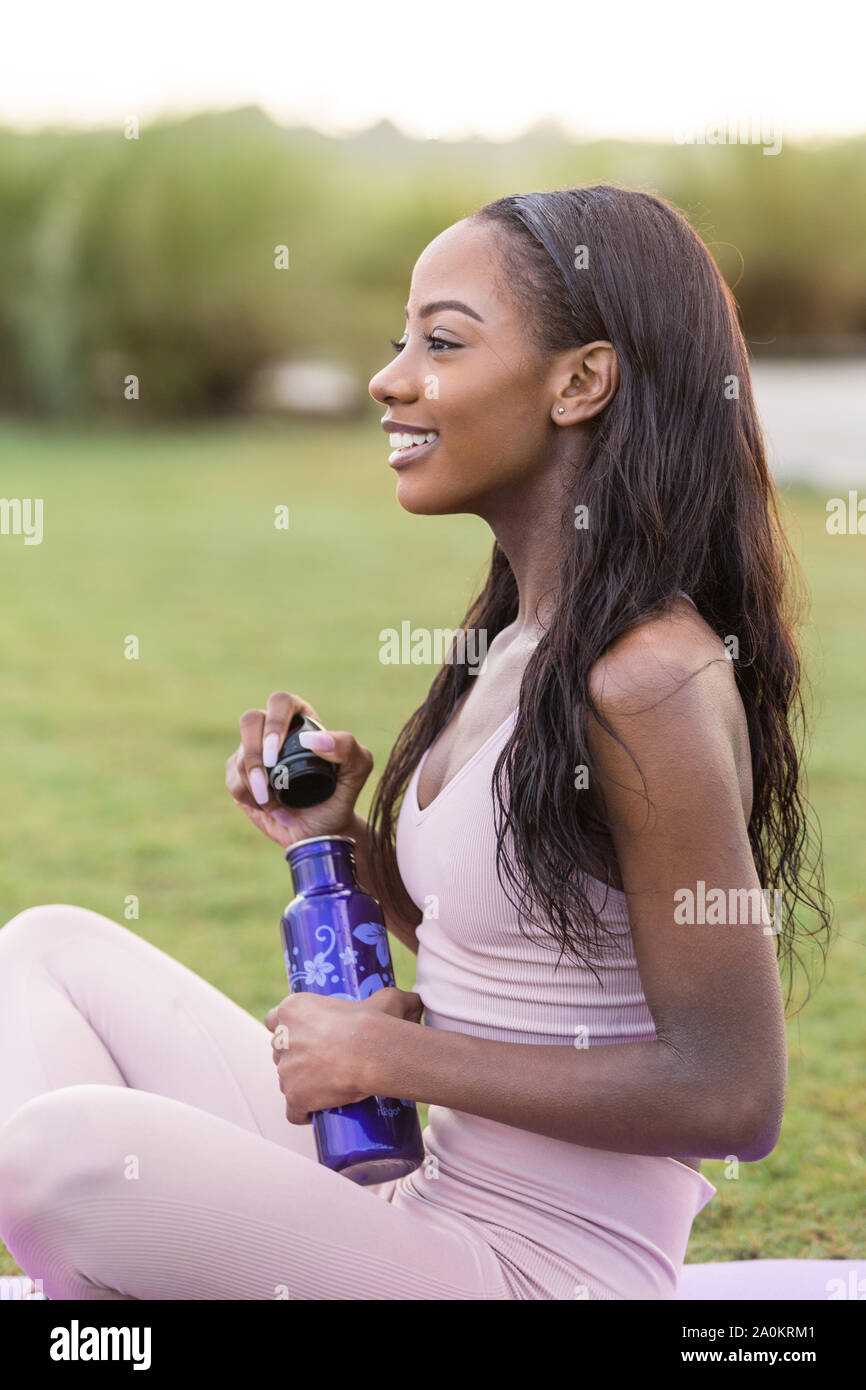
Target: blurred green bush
155,256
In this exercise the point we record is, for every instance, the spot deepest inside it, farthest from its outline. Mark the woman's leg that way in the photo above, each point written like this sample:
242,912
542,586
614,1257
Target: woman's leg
83,999
145,1152
112,1193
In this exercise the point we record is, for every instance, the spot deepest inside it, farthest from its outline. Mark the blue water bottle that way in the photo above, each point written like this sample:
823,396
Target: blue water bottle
335,942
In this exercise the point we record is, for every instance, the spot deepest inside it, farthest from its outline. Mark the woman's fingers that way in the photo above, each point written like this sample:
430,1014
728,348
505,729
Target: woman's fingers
235,780
278,716
356,761
252,724
281,710
401,1003
248,773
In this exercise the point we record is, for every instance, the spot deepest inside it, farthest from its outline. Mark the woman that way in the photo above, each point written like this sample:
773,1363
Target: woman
625,759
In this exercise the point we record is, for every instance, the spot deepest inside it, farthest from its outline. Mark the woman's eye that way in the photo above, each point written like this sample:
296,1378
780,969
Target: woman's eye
428,337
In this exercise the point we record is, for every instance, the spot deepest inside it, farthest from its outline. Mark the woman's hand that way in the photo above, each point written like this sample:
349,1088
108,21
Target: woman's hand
321,1045
263,732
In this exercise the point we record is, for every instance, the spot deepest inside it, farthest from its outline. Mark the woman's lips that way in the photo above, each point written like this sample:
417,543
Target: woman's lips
400,457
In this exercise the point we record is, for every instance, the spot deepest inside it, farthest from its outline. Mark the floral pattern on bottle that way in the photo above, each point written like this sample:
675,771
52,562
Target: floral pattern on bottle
322,969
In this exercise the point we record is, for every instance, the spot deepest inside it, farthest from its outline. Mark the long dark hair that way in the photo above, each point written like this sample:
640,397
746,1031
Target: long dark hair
679,498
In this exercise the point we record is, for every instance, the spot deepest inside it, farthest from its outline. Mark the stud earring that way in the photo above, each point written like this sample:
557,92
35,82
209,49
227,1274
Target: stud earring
560,409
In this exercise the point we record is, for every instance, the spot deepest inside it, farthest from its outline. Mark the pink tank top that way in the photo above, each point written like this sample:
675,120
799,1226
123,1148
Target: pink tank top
477,972
551,1209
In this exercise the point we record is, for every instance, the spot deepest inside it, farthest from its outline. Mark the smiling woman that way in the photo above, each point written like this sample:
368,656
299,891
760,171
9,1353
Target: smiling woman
600,389
584,1046
573,352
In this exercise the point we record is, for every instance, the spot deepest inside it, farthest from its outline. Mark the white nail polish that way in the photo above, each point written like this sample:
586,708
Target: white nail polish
259,786
270,749
317,739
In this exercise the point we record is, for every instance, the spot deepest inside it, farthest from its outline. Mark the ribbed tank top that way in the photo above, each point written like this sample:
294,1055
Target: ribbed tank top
559,1215
477,972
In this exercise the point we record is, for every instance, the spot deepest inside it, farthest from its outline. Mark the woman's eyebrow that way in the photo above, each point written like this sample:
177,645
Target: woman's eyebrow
438,304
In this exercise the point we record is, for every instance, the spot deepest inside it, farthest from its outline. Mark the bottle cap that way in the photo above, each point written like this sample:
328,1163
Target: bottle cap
299,777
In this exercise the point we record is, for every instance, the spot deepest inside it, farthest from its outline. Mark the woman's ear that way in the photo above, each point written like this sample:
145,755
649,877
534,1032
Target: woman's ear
593,381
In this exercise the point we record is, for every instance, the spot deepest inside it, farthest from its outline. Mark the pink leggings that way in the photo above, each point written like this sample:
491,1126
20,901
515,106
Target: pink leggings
145,1152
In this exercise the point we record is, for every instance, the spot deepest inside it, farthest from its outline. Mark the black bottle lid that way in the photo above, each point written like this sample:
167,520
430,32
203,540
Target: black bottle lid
300,777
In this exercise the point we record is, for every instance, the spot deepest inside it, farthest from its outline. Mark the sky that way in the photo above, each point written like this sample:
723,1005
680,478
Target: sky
669,70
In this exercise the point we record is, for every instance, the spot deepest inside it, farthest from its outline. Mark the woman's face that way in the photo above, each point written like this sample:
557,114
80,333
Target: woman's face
488,394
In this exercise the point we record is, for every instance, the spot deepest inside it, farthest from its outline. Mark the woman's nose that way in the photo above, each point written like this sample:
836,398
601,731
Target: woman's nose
386,385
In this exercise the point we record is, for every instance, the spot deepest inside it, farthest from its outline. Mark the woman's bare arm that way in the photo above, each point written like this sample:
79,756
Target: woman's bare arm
713,1082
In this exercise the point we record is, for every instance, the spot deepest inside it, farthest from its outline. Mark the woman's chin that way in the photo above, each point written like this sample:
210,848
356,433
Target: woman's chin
428,501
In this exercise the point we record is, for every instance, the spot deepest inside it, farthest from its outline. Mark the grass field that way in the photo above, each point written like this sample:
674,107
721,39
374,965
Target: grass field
114,768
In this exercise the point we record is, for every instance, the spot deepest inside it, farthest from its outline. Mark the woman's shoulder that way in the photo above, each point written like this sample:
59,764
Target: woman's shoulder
667,692
671,654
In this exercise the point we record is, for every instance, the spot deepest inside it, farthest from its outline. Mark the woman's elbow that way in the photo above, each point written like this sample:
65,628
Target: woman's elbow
746,1126
762,1135
756,1132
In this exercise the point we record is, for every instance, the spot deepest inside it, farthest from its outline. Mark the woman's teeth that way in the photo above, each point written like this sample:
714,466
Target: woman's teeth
403,441
405,444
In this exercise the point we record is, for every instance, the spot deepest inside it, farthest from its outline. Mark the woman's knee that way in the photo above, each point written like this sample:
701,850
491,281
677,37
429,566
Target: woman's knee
58,1146
48,922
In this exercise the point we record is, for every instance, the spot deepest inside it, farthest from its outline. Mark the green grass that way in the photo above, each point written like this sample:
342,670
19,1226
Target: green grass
114,768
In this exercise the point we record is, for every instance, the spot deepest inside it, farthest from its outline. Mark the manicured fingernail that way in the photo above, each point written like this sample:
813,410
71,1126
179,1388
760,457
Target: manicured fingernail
322,742
259,786
270,749
284,817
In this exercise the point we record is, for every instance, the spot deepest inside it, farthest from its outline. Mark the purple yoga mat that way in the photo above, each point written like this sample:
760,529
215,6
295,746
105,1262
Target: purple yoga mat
825,1280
